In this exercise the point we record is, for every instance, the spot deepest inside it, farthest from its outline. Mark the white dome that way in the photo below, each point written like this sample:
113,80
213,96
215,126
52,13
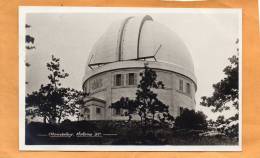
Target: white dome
128,41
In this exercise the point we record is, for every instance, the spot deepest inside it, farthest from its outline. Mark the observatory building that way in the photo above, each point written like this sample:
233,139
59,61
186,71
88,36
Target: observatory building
117,58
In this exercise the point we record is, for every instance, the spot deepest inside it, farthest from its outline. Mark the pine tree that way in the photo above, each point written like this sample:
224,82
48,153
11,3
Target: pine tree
146,104
226,90
53,102
226,96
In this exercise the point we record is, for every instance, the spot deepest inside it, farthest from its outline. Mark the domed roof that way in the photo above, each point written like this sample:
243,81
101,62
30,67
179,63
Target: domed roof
139,38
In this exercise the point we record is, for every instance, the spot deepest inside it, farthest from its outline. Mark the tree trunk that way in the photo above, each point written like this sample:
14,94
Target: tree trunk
141,121
59,117
52,120
153,124
44,119
153,119
59,120
142,127
145,120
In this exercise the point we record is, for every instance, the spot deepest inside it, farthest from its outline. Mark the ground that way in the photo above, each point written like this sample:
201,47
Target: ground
116,133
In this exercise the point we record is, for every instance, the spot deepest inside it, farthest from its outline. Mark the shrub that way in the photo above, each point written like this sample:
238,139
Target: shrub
230,126
191,120
66,121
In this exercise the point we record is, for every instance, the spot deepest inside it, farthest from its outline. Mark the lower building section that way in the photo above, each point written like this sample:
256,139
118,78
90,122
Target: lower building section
96,109
110,86
93,109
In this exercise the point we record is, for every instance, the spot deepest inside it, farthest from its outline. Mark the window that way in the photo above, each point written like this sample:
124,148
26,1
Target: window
181,110
181,85
117,111
118,80
96,83
188,88
86,110
98,111
131,79
85,87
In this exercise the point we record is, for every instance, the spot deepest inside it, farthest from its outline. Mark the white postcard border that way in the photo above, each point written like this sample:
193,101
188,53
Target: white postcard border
23,10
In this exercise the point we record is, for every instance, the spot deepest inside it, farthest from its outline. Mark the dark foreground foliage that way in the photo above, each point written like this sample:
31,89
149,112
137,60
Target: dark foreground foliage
190,119
122,134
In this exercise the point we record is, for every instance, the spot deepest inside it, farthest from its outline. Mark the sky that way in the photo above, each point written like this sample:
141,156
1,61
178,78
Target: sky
209,35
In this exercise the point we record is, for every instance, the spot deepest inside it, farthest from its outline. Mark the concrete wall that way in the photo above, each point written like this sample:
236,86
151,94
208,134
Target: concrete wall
171,95
92,106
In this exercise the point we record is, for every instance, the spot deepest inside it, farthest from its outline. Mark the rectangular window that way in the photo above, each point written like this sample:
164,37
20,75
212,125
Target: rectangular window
118,111
181,85
187,88
131,79
98,111
118,79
